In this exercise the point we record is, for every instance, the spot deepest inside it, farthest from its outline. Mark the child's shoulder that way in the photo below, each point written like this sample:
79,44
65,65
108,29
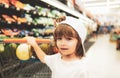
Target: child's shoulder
57,55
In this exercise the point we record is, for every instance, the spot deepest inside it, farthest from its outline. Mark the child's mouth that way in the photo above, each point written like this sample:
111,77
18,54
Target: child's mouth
64,48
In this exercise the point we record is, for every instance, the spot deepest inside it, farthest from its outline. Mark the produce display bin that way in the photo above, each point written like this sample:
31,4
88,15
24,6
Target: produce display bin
35,70
12,67
24,69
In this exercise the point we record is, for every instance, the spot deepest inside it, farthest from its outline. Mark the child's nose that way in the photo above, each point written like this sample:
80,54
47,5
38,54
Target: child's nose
63,42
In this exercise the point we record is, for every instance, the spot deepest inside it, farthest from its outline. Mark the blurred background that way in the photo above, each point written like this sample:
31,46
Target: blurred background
21,18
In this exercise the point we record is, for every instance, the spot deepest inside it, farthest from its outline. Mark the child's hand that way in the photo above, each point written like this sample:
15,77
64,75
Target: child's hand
31,40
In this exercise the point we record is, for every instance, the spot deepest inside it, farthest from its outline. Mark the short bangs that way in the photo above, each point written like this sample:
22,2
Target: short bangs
64,30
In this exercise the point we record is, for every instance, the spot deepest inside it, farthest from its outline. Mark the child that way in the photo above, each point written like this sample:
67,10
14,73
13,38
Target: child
69,36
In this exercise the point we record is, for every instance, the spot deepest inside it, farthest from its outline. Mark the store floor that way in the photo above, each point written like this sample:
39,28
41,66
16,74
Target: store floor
103,59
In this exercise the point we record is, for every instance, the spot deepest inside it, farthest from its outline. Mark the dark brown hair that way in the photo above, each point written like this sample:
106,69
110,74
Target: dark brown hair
67,31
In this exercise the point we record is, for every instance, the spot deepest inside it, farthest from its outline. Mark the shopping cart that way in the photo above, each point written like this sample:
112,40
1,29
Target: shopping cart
35,70
12,67
32,68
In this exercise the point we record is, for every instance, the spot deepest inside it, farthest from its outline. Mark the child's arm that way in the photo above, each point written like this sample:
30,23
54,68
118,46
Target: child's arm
39,52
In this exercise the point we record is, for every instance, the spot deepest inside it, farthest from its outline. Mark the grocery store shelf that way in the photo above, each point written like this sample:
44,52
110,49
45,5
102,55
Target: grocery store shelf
65,8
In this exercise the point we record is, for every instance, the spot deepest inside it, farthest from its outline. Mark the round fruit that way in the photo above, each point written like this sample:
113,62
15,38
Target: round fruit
2,48
23,51
44,47
49,31
13,45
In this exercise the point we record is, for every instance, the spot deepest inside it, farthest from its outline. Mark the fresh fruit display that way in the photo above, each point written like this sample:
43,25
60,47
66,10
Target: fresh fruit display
29,18
9,51
5,2
48,31
8,18
2,48
13,46
19,5
19,20
2,45
44,21
3,37
24,52
28,7
37,32
49,48
44,18
45,47
10,32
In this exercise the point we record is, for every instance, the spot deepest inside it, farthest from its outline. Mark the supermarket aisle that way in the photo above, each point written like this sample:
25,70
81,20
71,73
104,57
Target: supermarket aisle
103,59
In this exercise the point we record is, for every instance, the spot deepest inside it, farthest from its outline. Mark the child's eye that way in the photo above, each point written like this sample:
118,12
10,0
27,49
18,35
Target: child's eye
69,38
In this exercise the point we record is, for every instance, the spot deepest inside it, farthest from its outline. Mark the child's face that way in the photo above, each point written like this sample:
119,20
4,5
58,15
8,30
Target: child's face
67,45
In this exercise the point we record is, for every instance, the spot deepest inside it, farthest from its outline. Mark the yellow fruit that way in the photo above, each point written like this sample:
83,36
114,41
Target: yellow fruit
49,31
2,48
23,51
13,45
44,47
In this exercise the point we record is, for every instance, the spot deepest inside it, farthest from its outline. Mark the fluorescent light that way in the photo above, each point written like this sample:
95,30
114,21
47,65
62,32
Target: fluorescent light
110,3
